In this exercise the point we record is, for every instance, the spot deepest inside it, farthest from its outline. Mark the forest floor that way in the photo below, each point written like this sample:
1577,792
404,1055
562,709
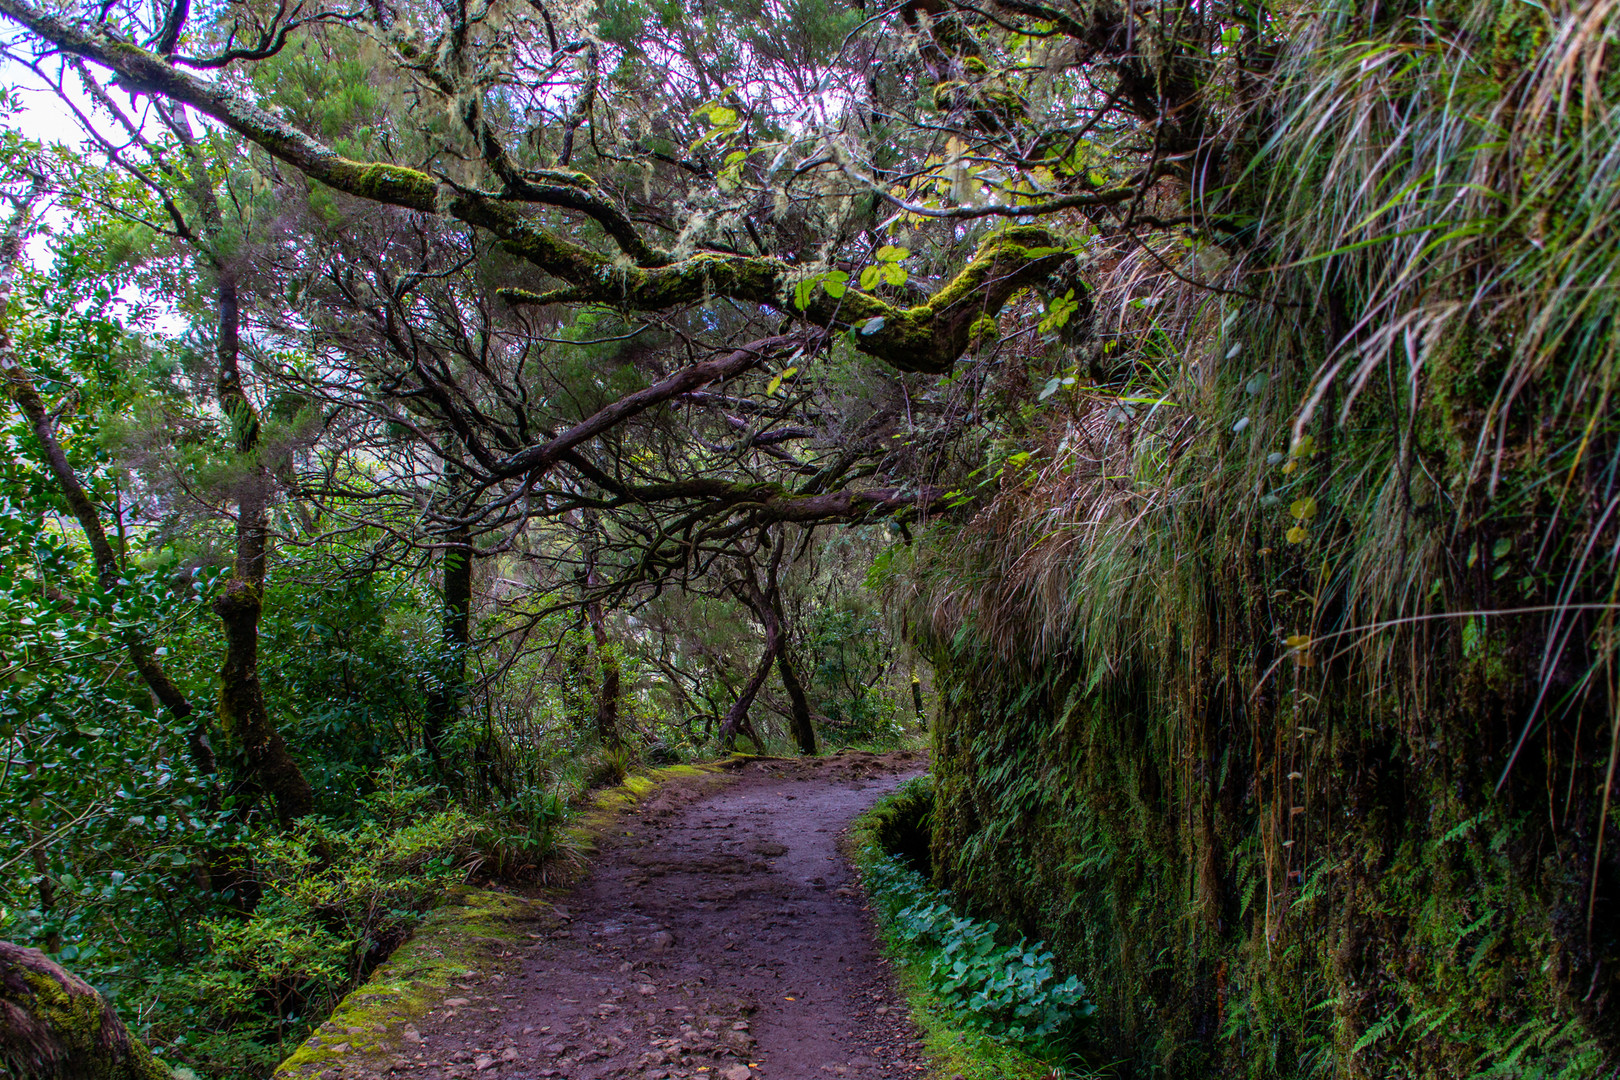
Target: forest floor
719,936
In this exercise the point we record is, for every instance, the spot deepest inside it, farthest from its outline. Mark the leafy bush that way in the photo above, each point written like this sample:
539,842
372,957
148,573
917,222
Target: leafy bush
334,901
1010,991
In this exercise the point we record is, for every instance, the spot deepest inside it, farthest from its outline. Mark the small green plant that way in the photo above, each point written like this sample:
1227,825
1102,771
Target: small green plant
1010,991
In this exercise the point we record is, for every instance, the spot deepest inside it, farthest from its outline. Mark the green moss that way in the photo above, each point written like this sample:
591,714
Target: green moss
471,934
600,817
930,336
1423,937
76,1020
391,183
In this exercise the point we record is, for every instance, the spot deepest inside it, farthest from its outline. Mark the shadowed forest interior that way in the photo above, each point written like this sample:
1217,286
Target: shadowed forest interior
1192,422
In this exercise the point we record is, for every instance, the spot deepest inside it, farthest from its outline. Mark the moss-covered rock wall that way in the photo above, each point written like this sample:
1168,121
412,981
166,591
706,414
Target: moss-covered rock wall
1387,917
1277,672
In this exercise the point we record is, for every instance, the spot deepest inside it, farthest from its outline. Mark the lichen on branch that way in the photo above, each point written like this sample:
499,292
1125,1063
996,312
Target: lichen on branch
927,337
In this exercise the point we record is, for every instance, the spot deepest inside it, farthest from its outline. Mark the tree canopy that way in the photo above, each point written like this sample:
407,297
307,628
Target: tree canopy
424,408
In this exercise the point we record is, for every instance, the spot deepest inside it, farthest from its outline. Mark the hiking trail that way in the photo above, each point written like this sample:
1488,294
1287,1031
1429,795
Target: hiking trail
719,936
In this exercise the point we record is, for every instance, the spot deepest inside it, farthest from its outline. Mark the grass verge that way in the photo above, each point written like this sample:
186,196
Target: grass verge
955,1048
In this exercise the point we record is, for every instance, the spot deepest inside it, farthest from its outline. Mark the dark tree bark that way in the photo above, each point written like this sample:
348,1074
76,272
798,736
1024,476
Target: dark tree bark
242,710
54,1026
608,688
767,606
736,720
804,731
20,388
444,700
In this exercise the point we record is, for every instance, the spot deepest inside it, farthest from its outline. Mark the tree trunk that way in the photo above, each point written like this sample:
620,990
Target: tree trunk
54,1026
444,700
241,695
23,394
767,605
804,732
608,689
736,720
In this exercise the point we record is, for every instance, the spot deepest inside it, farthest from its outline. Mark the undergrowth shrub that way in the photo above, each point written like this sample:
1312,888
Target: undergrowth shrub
528,841
1011,991
334,901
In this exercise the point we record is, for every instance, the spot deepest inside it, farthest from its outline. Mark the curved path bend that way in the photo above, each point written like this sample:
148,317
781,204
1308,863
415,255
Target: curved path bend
720,936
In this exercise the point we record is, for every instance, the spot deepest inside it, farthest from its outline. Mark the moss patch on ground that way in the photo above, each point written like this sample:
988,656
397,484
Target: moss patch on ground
599,819
474,932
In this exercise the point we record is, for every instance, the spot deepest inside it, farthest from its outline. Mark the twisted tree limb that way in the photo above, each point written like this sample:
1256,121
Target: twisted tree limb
20,388
926,337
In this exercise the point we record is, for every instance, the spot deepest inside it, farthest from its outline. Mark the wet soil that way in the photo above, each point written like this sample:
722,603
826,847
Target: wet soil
720,936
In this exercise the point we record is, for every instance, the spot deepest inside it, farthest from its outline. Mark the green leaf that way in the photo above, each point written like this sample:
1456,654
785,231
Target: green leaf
869,278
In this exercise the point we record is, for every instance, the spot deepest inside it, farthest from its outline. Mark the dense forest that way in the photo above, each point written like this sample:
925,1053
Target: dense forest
1193,419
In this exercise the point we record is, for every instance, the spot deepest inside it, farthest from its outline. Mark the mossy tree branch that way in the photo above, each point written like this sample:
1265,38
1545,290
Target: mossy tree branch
927,337
54,1026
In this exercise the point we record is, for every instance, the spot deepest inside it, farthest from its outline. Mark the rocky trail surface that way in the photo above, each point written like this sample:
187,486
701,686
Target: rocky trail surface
720,936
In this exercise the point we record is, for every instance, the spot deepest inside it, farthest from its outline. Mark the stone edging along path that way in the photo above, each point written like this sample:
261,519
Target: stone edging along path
720,935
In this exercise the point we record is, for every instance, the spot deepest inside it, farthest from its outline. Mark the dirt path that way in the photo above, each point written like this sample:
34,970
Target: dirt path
719,938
